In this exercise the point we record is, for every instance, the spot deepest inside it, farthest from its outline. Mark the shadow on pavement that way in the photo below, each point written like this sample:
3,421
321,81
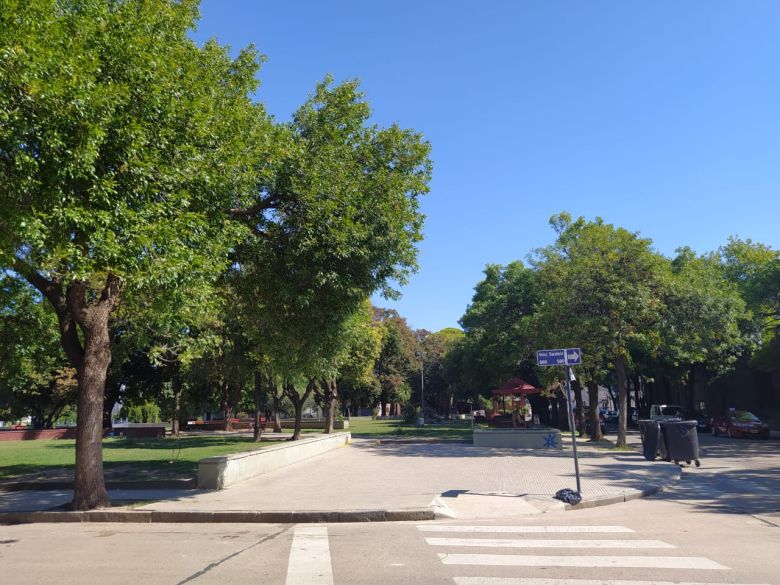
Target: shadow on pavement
460,450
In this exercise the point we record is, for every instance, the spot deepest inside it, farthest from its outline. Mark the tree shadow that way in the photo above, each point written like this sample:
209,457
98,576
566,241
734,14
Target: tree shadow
462,449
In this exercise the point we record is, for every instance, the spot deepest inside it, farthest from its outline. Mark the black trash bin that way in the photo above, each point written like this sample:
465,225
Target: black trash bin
650,432
680,440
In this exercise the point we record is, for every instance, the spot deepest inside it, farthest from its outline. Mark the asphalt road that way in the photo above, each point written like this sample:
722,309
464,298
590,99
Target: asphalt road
720,524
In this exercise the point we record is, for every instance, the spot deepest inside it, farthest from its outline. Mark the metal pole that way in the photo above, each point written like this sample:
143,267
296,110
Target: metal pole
571,426
422,391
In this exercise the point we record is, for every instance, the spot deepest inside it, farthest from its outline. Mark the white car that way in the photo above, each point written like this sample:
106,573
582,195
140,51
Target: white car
666,412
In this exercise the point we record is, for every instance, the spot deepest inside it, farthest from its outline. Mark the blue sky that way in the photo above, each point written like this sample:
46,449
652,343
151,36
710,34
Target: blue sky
659,116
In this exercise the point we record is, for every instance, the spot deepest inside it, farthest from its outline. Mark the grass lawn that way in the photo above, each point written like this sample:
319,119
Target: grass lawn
364,425
124,459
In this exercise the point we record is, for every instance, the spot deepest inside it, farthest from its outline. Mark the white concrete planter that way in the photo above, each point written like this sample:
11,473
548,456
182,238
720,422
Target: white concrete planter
221,471
518,438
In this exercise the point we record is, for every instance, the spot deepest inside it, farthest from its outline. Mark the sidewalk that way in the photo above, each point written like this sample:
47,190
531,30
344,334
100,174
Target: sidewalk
399,479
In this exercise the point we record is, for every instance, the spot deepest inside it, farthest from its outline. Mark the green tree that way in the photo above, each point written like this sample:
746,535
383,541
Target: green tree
397,360
358,385
346,224
499,321
124,151
436,348
702,332
755,270
35,376
603,292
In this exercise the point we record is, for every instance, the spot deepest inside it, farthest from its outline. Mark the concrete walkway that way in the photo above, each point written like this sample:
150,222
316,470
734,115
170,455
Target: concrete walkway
452,479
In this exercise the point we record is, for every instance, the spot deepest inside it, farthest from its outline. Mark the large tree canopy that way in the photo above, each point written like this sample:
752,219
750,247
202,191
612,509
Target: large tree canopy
123,146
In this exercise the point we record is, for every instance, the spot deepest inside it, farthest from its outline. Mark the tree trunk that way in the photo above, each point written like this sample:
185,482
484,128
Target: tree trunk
89,485
177,388
620,374
593,399
277,404
258,405
698,387
91,360
298,402
331,394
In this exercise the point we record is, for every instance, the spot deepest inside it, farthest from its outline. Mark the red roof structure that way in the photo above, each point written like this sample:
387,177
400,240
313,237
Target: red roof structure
516,387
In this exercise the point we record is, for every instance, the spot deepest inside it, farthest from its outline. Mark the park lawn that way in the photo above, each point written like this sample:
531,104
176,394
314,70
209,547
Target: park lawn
451,429
124,459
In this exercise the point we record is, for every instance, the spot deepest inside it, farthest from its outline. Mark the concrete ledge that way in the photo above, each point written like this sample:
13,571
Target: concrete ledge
219,472
518,438
311,423
248,517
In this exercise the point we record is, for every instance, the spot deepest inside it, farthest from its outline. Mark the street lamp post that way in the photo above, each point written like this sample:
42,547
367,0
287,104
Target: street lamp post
421,420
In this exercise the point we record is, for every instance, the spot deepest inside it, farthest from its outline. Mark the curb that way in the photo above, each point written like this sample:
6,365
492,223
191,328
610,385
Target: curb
620,498
282,517
382,439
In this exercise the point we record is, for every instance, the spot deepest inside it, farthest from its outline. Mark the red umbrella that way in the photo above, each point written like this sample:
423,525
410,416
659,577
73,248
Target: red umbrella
515,387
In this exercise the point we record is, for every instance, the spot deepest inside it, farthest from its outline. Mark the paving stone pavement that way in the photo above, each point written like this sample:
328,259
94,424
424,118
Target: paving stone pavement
457,478
454,479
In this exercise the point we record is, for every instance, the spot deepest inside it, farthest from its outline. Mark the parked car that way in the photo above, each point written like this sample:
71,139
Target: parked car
701,417
740,423
586,414
665,412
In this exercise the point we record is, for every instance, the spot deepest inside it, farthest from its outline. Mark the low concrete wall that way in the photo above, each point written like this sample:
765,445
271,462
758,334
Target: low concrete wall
518,438
144,432
219,472
312,423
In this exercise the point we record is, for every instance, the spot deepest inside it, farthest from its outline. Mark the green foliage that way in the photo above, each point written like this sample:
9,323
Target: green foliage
498,325
410,413
704,316
345,224
397,358
35,378
148,412
602,291
606,290
755,270
120,144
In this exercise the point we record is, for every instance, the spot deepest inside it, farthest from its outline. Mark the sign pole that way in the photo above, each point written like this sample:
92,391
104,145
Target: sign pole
565,357
569,377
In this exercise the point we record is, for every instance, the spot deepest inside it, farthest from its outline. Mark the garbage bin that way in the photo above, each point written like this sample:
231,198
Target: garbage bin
650,433
681,441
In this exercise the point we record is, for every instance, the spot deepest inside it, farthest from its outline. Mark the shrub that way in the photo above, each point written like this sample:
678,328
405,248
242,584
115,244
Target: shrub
148,412
411,413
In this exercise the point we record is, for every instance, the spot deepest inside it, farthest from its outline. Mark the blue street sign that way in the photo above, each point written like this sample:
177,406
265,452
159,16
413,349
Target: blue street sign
559,357
573,356
551,357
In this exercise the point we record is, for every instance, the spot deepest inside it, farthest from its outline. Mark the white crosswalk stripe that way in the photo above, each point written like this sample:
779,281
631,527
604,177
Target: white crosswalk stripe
579,540
547,543
633,562
524,581
525,529
309,562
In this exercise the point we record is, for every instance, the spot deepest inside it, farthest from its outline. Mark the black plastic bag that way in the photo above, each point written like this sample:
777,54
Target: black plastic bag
569,496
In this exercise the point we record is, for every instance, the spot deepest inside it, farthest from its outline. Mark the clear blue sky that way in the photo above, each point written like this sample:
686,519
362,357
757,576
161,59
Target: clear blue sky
662,117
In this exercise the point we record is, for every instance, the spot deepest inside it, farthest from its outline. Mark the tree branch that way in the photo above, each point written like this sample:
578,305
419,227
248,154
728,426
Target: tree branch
52,290
262,205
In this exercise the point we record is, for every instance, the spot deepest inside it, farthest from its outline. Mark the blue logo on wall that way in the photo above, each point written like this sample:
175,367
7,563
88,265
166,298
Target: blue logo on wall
551,441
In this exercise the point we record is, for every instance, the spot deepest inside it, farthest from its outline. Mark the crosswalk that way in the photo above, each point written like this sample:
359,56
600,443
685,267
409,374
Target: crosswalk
451,543
309,562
